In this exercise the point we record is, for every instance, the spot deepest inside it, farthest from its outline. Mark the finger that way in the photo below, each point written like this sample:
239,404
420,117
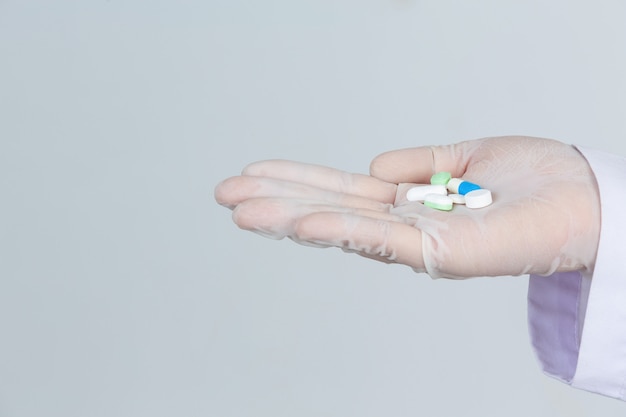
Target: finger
374,238
325,178
278,217
236,190
417,165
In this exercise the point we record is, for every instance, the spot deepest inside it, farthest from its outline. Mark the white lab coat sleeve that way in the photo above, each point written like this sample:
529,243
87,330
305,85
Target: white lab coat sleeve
577,323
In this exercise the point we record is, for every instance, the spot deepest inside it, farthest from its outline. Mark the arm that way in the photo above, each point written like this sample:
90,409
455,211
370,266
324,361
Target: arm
577,321
545,221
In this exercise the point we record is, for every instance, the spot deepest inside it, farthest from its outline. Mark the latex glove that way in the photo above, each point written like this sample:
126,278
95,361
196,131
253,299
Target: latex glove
545,216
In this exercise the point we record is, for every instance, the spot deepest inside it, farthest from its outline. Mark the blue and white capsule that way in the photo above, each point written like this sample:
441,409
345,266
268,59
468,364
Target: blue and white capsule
459,186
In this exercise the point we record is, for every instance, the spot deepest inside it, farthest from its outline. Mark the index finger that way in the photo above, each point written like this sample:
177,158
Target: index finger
326,178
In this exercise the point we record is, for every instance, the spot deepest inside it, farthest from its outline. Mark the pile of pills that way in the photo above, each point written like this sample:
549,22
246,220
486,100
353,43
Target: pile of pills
444,192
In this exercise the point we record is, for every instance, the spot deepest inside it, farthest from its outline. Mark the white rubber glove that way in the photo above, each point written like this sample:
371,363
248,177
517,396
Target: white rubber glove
545,216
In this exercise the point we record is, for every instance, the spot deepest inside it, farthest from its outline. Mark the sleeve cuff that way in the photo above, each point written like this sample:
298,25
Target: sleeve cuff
577,324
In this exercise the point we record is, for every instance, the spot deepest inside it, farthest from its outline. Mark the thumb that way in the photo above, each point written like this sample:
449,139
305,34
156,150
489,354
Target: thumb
417,165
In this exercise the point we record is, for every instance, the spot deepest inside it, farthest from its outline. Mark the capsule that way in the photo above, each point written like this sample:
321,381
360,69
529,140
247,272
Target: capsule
440,178
420,192
459,186
438,201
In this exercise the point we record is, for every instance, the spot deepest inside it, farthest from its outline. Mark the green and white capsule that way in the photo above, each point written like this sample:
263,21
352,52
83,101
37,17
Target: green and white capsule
440,178
439,202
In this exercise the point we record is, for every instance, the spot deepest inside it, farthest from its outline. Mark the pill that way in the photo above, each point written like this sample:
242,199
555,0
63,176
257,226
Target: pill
478,198
440,178
459,186
457,198
438,201
419,193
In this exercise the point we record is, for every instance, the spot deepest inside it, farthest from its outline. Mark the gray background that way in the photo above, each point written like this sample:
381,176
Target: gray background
125,290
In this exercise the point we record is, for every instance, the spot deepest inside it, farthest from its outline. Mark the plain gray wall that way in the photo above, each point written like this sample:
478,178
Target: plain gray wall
125,290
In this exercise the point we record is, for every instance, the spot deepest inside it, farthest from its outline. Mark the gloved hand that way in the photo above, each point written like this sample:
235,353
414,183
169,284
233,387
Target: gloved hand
545,216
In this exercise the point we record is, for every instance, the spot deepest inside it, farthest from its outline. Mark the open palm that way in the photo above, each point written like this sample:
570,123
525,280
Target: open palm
545,216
